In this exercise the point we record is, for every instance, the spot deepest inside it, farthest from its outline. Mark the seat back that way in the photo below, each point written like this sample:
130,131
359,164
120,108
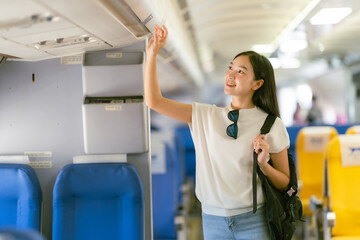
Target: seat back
174,151
343,156
353,130
185,139
98,201
164,191
293,132
20,197
310,154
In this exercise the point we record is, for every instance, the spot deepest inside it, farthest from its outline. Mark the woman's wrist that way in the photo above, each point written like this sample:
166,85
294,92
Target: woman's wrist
150,56
263,167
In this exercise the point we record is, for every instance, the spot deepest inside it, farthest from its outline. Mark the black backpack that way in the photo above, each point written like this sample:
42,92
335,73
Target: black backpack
283,208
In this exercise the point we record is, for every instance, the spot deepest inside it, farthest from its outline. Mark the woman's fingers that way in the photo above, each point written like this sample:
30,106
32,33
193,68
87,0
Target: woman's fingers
260,143
162,32
158,30
256,146
165,31
157,41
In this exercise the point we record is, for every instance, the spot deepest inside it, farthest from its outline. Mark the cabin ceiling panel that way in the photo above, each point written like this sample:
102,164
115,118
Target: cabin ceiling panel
219,21
344,38
21,51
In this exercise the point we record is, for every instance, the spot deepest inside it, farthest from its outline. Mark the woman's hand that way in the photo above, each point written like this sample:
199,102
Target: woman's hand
261,147
278,172
157,41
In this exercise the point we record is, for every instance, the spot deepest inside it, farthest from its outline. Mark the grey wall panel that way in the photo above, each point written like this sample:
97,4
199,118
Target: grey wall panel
42,116
45,116
48,109
115,131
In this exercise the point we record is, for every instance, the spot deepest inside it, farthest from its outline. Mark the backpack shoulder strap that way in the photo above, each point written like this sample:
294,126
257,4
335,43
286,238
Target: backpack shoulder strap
269,121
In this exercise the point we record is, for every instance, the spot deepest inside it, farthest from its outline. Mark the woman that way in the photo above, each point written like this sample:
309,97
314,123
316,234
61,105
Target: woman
224,140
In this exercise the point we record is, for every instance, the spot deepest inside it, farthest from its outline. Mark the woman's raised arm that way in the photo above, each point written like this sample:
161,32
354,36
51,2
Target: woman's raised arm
153,96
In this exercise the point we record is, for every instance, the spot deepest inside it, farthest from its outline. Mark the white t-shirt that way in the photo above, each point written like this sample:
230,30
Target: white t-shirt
224,164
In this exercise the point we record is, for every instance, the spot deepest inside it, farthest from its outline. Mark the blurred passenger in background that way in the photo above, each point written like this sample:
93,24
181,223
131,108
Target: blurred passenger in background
314,115
298,116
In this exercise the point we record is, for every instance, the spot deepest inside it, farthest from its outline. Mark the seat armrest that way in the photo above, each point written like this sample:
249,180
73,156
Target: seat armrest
316,207
324,217
328,223
330,218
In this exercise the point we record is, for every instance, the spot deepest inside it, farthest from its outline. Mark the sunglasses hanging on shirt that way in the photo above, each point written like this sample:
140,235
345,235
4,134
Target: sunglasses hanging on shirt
232,129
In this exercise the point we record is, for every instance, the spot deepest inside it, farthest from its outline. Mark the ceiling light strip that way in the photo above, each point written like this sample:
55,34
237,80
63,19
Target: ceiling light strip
295,22
330,16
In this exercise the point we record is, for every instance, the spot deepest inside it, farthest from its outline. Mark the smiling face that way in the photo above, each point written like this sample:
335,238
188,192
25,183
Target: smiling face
240,78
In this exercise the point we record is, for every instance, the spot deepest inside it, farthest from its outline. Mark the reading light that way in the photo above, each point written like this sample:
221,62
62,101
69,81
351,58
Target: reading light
330,16
63,42
29,21
123,13
295,22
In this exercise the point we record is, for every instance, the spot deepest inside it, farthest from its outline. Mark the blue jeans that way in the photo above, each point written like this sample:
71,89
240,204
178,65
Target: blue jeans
246,226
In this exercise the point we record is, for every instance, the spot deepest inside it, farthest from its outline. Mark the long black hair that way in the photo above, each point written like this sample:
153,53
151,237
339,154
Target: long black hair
264,97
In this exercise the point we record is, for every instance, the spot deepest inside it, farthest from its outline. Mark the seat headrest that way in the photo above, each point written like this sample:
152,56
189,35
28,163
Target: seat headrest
102,179
106,158
350,150
356,129
316,138
15,159
317,130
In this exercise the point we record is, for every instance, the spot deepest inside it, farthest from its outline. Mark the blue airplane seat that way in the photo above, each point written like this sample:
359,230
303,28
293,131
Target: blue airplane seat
179,155
293,132
341,129
98,201
19,234
186,139
20,197
165,197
